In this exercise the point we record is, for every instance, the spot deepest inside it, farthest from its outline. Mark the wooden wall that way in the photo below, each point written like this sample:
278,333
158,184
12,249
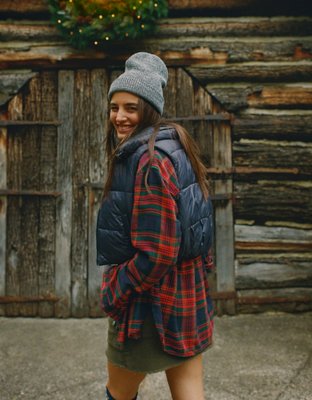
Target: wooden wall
55,169
256,62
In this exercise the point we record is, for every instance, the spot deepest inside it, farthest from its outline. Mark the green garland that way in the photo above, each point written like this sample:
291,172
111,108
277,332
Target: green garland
93,23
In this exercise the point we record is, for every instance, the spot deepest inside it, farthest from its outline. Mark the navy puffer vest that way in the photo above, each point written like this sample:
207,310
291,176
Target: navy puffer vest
114,218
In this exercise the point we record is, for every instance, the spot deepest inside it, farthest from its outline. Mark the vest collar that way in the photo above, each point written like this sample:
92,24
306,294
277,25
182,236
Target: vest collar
141,138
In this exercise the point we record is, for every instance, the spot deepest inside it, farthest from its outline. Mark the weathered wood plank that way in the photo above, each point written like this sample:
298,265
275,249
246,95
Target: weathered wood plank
80,208
224,232
274,154
3,212
64,185
97,172
30,167
203,130
254,71
294,125
170,95
274,201
221,157
47,177
14,234
11,82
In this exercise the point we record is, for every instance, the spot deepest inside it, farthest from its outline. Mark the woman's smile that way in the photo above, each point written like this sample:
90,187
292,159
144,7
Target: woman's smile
124,113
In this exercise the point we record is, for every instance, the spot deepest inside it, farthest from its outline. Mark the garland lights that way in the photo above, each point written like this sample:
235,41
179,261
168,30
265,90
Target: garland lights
92,23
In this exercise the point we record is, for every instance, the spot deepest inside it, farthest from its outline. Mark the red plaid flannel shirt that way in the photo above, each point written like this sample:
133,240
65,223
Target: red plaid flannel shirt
177,293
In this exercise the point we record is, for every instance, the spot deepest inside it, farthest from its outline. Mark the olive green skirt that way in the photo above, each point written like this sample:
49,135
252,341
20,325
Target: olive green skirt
144,355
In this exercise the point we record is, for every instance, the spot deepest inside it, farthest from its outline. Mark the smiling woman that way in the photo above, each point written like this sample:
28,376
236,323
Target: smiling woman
154,235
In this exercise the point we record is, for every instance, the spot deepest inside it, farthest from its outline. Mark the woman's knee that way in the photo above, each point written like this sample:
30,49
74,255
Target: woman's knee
186,380
123,384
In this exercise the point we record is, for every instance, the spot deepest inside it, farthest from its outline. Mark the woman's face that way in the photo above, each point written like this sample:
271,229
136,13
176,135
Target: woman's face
124,113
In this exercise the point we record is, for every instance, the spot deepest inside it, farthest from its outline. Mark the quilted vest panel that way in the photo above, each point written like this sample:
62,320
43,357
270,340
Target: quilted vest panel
114,219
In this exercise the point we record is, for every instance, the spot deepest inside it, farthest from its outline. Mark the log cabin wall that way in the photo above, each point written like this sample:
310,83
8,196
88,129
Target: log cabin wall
254,60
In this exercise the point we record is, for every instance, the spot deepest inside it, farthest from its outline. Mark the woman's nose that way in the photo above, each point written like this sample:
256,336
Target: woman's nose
120,115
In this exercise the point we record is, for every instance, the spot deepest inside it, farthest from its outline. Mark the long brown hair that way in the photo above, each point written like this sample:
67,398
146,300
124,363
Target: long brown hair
148,116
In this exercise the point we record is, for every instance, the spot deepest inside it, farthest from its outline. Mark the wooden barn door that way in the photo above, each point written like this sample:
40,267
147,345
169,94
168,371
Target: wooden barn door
191,105
52,175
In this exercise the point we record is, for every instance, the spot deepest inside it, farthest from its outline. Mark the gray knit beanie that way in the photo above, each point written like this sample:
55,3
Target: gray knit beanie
146,76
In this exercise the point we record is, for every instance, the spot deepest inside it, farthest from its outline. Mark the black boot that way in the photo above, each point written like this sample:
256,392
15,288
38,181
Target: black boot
110,397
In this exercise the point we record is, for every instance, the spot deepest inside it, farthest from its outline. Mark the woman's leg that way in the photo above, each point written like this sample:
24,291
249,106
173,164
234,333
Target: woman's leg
186,380
123,384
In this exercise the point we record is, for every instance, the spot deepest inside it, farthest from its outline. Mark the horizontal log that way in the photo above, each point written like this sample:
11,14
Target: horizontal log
265,275
252,170
235,27
220,50
236,97
269,246
245,233
268,296
260,6
283,299
293,126
253,71
273,154
24,42
280,257
243,27
265,200
36,31
285,96
23,6
279,295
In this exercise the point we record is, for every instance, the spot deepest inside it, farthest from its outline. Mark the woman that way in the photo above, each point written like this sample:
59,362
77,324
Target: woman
154,233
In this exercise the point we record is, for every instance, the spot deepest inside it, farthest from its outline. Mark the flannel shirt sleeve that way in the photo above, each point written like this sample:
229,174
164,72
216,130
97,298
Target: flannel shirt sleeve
155,234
